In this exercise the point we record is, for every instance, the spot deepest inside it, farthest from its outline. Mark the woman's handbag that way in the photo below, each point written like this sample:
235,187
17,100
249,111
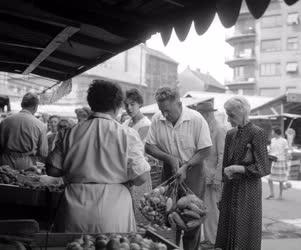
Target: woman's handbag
249,156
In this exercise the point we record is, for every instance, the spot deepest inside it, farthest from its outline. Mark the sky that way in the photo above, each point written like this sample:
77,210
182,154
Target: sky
206,52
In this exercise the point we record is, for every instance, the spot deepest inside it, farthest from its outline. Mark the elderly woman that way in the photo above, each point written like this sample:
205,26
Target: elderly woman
245,162
97,158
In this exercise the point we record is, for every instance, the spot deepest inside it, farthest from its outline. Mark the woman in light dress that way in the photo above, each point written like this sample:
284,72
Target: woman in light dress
279,171
133,102
97,158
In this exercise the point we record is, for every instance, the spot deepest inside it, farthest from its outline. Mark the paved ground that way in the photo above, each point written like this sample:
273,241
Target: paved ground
282,219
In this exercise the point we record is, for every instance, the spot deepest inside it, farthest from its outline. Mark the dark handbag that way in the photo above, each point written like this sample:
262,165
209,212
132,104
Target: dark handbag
249,156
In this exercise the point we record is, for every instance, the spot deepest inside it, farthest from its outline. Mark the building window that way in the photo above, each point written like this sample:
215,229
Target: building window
292,43
271,21
292,67
269,91
290,89
292,18
270,69
270,45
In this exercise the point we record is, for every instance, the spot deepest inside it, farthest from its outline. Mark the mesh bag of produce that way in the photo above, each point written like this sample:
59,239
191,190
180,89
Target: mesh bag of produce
156,204
189,211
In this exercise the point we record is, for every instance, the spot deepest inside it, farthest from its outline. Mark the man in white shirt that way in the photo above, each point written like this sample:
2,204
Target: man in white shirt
180,137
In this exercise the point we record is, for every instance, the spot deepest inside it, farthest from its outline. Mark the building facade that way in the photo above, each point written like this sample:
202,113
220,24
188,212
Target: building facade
266,56
195,80
139,67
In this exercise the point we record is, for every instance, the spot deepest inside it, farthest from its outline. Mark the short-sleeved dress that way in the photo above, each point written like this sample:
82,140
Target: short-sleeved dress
240,218
98,156
279,170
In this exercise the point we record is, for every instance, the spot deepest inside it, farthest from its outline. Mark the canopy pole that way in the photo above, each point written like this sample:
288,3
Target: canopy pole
282,118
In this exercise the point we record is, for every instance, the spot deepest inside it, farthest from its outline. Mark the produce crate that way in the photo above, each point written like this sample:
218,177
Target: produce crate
26,203
11,194
58,241
169,235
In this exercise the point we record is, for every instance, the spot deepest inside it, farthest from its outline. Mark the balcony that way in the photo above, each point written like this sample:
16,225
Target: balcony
236,36
242,58
241,81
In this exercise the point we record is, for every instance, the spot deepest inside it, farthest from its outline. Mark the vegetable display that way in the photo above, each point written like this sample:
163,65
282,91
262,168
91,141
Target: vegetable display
115,242
173,204
25,179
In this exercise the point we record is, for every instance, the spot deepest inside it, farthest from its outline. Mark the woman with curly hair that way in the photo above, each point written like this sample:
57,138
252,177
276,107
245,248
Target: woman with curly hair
97,158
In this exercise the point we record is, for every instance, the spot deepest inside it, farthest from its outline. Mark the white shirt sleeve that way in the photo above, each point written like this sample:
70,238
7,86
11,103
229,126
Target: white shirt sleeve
137,164
203,138
152,132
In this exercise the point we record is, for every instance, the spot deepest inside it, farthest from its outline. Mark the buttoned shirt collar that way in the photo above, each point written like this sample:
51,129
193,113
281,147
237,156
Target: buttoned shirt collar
183,117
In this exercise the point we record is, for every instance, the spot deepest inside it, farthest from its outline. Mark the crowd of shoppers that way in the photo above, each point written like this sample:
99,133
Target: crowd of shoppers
104,161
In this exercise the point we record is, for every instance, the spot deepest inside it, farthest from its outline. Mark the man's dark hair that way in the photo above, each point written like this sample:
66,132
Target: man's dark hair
30,100
104,96
54,116
134,95
277,131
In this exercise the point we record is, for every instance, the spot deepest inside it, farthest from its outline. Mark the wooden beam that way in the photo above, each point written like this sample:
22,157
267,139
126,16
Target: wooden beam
69,58
95,43
50,74
17,43
28,11
51,47
173,2
6,57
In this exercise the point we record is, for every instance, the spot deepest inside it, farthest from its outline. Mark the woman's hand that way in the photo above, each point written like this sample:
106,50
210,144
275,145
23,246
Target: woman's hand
234,169
228,171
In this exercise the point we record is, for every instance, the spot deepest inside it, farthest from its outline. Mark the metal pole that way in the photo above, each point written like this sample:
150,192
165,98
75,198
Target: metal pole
282,118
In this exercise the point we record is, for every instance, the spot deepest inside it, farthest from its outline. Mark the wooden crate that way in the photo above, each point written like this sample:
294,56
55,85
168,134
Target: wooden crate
58,241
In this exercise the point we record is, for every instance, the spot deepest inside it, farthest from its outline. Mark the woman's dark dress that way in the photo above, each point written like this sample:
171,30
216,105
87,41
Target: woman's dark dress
240,218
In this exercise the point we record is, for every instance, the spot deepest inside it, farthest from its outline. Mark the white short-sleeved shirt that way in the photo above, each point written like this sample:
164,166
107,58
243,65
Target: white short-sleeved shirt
278,148
190,134
100,150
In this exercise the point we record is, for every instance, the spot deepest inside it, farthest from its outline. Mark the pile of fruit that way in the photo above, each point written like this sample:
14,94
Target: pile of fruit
161,207
189,213
25,179
156,204
115,242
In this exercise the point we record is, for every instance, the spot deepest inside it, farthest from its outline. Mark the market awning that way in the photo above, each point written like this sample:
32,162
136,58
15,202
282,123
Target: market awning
61,39
269,117
290,103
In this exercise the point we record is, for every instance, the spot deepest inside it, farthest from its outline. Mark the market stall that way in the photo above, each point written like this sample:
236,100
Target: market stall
41,37
283,112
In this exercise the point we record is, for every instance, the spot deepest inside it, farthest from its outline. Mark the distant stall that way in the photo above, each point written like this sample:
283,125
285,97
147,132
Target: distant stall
283,112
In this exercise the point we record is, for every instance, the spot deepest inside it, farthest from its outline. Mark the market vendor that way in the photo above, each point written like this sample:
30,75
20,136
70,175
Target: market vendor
180,137
22,136
97,158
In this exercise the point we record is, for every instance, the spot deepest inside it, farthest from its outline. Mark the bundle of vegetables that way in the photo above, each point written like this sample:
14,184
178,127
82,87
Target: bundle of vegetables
189,213
25,179
115,242
156,205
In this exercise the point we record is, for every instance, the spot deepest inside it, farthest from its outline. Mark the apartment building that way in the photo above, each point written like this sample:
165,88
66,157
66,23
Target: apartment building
266,56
